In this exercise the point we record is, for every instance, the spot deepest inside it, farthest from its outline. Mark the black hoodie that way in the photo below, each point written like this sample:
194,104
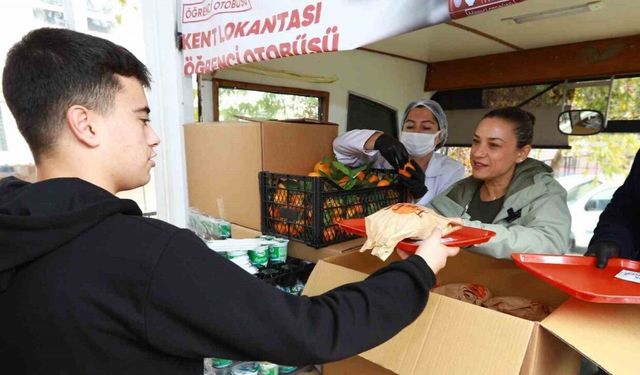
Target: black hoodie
88,286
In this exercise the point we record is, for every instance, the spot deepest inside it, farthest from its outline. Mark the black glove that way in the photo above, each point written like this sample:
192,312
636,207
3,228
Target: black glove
603,251
415,182
392,150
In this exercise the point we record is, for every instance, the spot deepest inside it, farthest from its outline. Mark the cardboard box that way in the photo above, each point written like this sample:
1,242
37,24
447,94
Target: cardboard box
454,337
301,251
223,161
354,365
238,231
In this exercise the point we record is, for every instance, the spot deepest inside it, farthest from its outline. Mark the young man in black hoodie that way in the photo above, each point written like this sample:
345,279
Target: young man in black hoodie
89,286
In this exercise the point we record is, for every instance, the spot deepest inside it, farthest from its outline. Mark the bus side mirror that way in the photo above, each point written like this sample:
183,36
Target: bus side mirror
580,122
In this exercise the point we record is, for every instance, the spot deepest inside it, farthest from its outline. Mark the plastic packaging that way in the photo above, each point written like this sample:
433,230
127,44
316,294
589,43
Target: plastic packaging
234,244
282,369
268,368
278,250
207,227
217,366
246,368
241,258
260,256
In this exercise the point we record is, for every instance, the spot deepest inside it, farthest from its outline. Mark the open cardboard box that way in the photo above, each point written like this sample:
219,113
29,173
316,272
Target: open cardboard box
454,337
302,251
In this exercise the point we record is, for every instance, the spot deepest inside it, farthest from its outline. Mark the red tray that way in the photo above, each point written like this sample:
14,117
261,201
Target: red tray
465,236
579,277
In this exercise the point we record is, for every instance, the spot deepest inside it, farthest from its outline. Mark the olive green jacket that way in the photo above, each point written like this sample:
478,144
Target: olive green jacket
534,217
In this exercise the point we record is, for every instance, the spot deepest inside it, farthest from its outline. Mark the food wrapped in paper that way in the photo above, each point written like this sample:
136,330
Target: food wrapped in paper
520,307
393,224
466,292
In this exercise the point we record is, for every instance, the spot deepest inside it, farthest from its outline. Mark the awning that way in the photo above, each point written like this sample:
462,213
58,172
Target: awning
221,33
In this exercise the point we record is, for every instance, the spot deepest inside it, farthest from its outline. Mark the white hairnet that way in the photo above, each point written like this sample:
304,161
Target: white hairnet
438,113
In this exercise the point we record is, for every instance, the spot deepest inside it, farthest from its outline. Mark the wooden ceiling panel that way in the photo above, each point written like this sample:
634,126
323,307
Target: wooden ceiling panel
438,43
602,58
616,18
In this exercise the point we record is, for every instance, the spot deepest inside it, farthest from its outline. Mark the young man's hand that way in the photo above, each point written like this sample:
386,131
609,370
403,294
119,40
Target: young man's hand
392,150
434,252
603,250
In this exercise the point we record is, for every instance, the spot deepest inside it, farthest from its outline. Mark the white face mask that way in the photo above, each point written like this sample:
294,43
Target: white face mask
418,144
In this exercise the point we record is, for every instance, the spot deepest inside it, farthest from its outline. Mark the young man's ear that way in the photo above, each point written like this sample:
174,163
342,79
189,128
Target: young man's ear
79,123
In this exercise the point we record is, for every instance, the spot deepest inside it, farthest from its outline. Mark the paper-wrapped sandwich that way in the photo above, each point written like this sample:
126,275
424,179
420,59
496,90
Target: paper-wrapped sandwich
393,224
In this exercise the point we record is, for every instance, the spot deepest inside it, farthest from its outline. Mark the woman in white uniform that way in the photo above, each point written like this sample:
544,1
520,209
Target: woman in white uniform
423,130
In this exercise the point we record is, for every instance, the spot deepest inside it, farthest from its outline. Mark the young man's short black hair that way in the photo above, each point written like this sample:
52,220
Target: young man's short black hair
50,70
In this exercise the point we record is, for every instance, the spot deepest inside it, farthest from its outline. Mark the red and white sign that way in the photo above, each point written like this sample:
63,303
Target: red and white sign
221,33
464,8
204,10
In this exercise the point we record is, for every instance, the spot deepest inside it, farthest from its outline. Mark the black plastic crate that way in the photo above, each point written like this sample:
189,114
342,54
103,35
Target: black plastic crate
308,209
286,274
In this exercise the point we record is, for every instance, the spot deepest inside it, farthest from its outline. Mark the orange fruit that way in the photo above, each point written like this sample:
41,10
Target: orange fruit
281,228
343,181
296,199
280,195
273,211
354,211
359,210
313,174
295,229
383,182
373,178
328,234
360,176
403,171
321,167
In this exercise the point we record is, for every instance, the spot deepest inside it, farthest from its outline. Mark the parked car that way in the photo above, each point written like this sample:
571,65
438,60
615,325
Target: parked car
587,197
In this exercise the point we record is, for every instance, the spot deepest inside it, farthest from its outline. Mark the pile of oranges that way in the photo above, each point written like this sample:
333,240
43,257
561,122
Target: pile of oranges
349,178
290,204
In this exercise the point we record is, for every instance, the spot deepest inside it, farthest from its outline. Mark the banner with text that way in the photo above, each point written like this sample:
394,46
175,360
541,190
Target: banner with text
221,33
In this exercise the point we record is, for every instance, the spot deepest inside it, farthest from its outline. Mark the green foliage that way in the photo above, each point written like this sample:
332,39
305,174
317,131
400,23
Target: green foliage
196,112
266,105
613,152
